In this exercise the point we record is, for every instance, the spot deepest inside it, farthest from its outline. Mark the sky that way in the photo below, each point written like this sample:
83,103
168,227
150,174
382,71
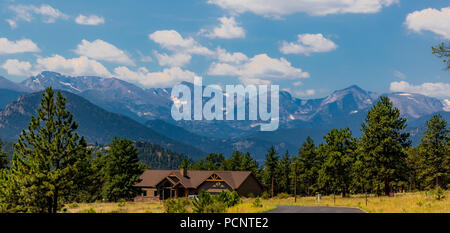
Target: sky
309,48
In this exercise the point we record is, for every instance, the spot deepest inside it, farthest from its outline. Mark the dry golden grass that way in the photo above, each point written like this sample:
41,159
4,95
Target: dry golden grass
119,207
418,202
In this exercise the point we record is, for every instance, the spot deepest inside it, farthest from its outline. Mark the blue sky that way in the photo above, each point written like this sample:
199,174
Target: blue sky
307,47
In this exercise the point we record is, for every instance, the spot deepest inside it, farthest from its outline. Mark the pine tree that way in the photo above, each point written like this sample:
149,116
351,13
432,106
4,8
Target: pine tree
249,164
122,170
3,158
307,166
47,158
339,158
383,145
284,173
434,150
271,164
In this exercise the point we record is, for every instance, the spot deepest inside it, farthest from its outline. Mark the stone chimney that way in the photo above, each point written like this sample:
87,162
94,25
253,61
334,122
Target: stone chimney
183,172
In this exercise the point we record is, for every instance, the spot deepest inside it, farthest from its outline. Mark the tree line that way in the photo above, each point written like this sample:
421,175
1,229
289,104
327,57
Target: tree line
52,165
381,161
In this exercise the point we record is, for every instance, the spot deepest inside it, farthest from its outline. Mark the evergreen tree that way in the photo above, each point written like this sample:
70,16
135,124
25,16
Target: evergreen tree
121,171
284,173
234,162
383,145
48,156
249,164
339,158
307,167
435,154
3,158
270,167
443,51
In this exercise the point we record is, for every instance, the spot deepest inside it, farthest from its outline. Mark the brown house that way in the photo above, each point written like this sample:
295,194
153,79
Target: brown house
163,184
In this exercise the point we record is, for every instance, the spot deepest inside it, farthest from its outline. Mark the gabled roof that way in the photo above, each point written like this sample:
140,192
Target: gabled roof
151,178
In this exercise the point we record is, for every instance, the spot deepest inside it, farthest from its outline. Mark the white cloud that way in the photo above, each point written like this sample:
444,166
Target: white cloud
261,69
307,44
81,66
27,13
429,89
228,29
173,41
16,67
436,21
11,23
19,46
101,50
176,60
166,78
224,56
304,93
399,74
92,20
277,8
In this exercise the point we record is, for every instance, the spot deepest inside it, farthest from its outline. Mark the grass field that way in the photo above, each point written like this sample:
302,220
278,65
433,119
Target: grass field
418,202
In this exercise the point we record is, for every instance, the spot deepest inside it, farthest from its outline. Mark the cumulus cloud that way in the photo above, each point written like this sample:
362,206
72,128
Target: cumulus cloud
261,69
166,78
277,8
101,50
228,29
18,46
434,20
226,57
91,20
307,44
429,89
176,60
80,66
173,41
16,67
28,12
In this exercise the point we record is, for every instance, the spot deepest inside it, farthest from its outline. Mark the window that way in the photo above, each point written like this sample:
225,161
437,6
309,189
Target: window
156,193
144,193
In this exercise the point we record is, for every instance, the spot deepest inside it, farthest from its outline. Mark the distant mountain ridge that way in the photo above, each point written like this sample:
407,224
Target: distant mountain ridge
155,104
150,109
95,124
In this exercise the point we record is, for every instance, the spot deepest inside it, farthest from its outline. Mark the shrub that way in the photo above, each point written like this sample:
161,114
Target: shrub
216,207
283,196
176,205
257,203
265,195
90,211
73,205
438,193
122,202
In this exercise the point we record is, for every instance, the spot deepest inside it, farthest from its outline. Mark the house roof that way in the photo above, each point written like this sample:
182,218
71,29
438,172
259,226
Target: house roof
151,178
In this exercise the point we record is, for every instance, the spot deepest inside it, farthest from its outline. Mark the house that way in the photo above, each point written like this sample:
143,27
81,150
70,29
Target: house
164,184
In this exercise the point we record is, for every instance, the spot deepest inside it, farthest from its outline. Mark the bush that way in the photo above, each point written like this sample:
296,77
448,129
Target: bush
228,199
216,207
122,202
265,195
283,196
257,203
73,205
215,204
438,193
176,205
90,211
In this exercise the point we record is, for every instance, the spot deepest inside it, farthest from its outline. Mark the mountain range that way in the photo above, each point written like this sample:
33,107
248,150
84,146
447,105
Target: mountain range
108,107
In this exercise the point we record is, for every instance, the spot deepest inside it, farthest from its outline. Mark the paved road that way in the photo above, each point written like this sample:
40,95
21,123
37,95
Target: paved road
314,209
